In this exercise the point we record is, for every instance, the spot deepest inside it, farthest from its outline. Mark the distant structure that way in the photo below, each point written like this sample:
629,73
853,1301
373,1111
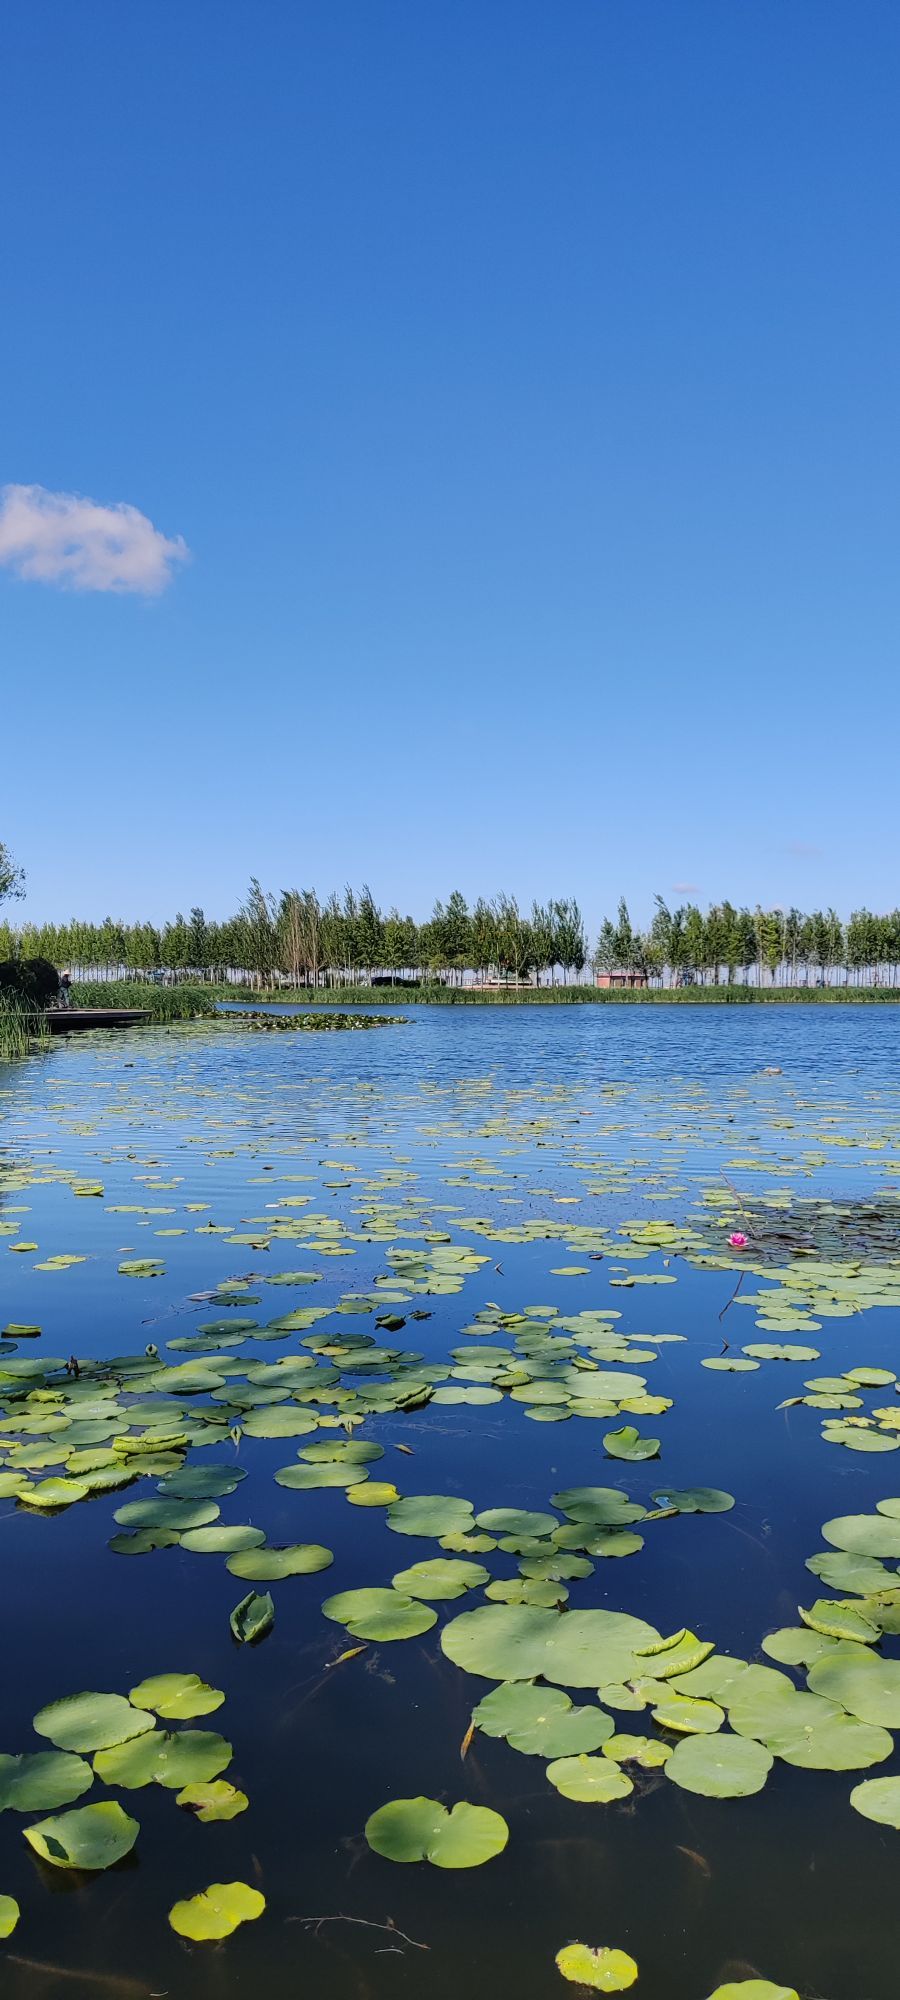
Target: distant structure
629,979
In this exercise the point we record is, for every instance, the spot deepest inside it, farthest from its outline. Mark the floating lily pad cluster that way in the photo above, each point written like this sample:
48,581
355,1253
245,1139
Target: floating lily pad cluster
608,1703
125,1743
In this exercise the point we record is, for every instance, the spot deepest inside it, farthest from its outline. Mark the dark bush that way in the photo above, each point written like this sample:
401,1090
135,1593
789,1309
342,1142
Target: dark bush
32,979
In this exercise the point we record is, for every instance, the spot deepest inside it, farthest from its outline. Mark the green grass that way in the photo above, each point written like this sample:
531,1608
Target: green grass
163,1003
195,1002
22,1026
573,996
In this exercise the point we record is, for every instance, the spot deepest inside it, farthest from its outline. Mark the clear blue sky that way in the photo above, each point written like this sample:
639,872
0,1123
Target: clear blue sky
523,379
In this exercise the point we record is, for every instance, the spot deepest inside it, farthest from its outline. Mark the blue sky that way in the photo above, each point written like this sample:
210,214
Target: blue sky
523,381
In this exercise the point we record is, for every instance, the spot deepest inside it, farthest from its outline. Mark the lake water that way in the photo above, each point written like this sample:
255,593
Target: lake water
519,1135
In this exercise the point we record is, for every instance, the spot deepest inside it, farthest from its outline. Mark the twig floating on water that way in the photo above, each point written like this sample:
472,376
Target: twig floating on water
367,1923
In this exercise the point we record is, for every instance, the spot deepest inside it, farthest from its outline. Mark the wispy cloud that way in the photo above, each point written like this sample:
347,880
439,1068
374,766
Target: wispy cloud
66,539
685,888
804,850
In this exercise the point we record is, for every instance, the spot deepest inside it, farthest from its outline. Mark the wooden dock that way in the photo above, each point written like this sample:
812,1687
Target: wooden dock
66,1020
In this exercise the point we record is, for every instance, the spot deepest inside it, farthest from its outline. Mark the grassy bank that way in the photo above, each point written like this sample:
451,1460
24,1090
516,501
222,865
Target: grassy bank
22,1027
576,996
163,1003
191,1002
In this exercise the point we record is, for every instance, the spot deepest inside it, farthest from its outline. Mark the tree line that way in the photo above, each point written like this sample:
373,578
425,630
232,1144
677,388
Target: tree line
729,943
343,940
349,940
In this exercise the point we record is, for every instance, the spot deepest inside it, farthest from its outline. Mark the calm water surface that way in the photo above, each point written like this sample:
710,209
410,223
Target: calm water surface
504,1115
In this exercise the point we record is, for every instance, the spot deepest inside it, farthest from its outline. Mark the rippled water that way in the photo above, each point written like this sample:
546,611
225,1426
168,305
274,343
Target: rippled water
503,1115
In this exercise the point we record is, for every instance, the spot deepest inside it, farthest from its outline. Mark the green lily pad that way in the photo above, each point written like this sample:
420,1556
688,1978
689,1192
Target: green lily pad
221,1539
203,1482
253,1617
91,1837
541,1721
754,1989
858,1574
516,1521
695,1499
43,1781
719,1767
213,1801
688,1715
86,1722
9,1915
307,1478
217,1911
431,1514
440,1578
52,1492
162,1513
862,1682
375,1493
142,1541
525,1642
421,1829
280,1421
591,1780
603,1970
379,1614
265,1565
644,1750
177,1697
878,1799
865,1535
172,1759
839,1621
628,1443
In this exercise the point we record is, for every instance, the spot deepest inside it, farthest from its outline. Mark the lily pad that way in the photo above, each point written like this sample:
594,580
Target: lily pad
167,1758
861,1682
516,1521
431,1514
213,1801
719,1767
177,1697
878,1799
695,1499
628,1443
43,1781
754,1989
591,1780
523,1642
440,1578
541,1721
9,1915
379,1614
253,1617
865,1535
217,1911
86,1722
603,1970
91,1837
421,1829
265,1565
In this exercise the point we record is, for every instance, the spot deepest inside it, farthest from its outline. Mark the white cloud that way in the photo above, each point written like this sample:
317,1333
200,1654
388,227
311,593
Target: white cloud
63,538
685,888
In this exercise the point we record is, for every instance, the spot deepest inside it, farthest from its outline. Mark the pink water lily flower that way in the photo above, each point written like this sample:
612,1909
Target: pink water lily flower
737,1240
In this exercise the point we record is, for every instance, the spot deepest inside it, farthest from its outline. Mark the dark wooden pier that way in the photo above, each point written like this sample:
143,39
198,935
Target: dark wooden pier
66,1020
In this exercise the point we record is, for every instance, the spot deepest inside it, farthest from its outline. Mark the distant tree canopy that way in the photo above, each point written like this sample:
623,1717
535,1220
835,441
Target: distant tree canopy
12,879
348,939
341,939
33,980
